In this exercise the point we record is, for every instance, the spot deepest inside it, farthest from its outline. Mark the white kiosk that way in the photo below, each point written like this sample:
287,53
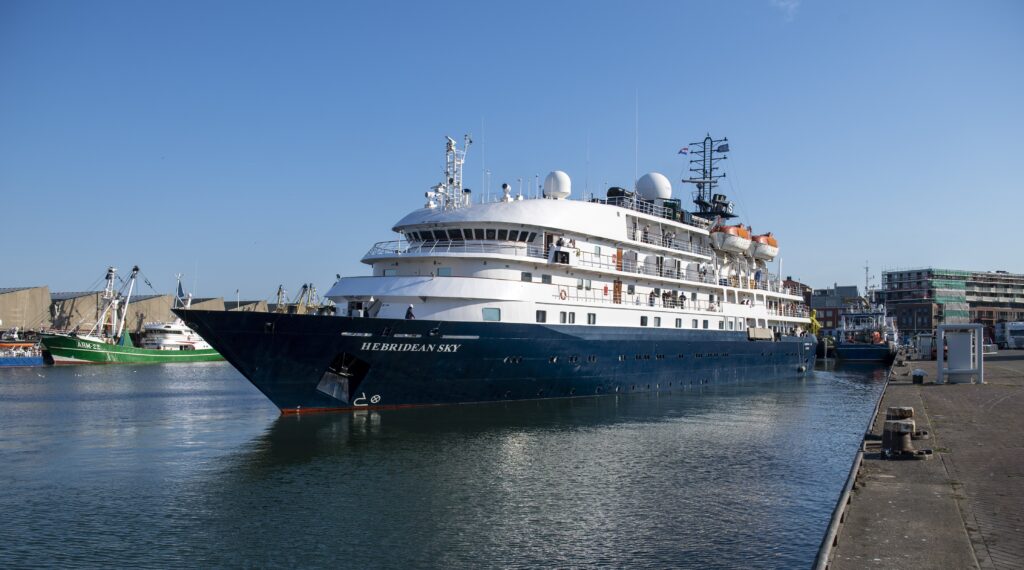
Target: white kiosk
966,354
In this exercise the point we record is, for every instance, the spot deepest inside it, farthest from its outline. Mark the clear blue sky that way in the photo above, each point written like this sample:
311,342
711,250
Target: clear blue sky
265,143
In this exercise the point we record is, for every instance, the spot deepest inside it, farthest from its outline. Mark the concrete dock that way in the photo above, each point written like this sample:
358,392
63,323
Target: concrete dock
963,508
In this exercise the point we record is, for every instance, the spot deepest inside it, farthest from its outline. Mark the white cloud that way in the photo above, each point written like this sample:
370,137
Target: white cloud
787,7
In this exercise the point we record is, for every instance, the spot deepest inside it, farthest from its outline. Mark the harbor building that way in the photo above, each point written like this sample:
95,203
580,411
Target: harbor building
799,288
27,308
75,311
247,306
78,311
923,298
829,303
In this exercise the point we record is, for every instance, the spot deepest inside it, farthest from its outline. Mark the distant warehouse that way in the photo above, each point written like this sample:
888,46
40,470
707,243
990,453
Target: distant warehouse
79,311
27,308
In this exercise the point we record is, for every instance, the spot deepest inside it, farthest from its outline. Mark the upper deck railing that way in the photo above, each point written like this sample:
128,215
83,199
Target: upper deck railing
707,275
651,209
400,247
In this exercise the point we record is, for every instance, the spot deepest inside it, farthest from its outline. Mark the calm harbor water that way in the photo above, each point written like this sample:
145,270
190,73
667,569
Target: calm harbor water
156,466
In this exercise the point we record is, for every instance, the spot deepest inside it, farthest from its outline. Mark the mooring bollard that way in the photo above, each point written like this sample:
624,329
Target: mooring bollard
896,439
899,412
918,376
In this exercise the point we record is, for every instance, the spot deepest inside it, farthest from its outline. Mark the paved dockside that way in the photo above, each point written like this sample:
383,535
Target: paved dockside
964,508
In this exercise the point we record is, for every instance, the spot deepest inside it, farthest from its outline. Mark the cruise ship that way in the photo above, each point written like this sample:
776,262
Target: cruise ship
535,297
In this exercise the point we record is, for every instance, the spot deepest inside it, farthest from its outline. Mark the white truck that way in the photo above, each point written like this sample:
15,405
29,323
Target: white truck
1010,335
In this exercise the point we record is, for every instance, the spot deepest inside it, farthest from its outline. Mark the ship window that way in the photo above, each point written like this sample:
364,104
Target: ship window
502,235
542,316
532,236
526,276
597,250
492,314
591,318
630,289
586,284
478,234
679,323
562,317
390,272
579,283
732,325
524,236
693,296
444,271
455,235
657,321
513,235
694,323
705,322
721,325
545,279
490,233
643,321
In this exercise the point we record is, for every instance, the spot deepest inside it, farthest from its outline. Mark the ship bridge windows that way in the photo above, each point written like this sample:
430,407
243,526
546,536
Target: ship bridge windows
491,314
466,234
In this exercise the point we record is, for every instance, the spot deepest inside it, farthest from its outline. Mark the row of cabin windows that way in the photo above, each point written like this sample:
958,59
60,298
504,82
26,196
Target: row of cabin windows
722,325
457,234
566,317
528,277
569,318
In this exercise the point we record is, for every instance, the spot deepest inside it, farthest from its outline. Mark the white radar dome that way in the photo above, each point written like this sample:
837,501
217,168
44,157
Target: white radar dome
557,185
654,185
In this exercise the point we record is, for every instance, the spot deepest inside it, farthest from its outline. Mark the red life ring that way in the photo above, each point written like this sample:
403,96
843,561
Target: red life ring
606,290
563,295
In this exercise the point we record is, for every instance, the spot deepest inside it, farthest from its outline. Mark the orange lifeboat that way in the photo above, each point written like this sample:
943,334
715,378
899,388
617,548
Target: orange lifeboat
731,238
764,247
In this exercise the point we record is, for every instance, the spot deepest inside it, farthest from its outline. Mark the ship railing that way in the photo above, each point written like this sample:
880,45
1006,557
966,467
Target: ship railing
401,247
797,312
670,242
651,209
642,301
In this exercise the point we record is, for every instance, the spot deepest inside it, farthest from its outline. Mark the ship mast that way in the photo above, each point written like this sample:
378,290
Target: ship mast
705,176
450,194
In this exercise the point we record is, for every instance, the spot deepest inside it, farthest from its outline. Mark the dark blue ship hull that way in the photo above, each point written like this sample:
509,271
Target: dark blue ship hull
316,363
865,352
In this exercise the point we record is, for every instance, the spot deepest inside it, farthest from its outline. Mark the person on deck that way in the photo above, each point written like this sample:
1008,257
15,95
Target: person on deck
408,314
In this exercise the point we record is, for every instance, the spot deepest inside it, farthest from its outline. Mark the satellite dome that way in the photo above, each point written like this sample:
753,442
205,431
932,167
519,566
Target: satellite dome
654,185
557,185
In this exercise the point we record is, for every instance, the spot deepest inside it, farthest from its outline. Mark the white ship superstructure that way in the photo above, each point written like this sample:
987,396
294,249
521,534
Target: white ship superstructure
626,260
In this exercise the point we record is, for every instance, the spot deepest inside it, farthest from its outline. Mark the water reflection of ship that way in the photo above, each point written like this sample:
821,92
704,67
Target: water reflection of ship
298,439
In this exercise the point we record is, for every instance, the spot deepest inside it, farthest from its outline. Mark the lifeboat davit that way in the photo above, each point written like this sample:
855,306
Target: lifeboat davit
764,246
735,239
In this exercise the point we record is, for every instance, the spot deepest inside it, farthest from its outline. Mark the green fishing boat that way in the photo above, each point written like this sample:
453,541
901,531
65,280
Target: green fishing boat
108,343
